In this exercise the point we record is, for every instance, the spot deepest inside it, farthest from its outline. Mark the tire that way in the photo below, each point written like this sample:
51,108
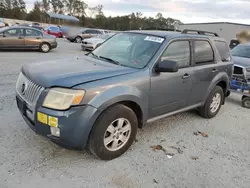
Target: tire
78,39
216,96
45,47
246,102
101,130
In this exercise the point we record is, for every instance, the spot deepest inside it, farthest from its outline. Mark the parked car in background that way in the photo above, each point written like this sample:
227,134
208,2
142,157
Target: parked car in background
94,42
2,24
54,30
241,58
38,27
234,43
99,101
84,34
64,30
19,37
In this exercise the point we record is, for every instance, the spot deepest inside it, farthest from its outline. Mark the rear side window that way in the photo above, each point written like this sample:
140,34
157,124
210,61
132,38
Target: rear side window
223,51
203,52
178,51
32,32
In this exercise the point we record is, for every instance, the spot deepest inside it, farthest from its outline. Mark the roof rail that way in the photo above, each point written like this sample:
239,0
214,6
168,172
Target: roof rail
186,31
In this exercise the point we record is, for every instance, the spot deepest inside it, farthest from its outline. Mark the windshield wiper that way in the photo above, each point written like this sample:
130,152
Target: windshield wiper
96,56
110,60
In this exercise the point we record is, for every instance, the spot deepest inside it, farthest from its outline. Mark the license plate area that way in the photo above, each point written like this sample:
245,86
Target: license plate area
21,105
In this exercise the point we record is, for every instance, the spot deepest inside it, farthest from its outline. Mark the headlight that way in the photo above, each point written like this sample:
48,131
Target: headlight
62,99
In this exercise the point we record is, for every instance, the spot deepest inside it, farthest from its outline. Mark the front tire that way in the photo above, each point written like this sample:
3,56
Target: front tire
213,103
78,39
113,133
44,47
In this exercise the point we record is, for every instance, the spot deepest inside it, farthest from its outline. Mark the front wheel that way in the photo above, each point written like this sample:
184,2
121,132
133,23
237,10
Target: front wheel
213,103
113,132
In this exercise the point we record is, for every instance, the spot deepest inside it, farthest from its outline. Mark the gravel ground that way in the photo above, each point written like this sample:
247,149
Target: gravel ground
28,160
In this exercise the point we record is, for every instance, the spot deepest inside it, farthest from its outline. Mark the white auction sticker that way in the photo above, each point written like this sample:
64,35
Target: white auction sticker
154,39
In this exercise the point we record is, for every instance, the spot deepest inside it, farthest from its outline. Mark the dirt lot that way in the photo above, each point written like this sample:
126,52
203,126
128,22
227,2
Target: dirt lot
28,160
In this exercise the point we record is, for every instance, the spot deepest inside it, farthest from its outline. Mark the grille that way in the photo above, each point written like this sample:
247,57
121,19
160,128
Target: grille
28,90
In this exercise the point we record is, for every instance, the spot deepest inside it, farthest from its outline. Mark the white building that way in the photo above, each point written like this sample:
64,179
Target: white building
225,30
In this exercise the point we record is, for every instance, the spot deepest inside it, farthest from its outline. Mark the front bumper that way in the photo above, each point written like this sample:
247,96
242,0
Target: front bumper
75,124
54,45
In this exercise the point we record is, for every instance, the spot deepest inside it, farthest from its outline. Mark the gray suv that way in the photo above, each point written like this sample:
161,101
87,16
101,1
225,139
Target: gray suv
98,101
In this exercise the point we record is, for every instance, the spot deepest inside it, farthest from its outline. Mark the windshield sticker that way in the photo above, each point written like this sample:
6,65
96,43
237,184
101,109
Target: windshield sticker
154,39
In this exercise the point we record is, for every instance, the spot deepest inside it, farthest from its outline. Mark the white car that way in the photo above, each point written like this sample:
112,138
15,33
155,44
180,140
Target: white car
94,42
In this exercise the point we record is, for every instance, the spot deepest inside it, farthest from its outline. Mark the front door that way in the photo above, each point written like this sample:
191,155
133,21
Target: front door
32,38
171,91
12,38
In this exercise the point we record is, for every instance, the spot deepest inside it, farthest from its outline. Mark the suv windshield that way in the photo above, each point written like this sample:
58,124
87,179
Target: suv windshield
241,51
129,49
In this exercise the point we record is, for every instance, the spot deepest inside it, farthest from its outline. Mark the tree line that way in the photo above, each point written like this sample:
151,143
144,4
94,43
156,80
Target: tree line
88,16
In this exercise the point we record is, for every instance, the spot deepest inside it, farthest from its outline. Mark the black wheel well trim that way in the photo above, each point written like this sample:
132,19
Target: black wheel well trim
134,106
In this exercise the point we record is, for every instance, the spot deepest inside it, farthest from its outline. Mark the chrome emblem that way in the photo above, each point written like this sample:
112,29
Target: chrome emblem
23,88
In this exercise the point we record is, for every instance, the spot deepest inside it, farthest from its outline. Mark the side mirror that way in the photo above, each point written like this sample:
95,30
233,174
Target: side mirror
167,66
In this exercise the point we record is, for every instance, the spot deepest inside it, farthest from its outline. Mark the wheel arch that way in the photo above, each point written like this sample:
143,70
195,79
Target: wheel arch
221,80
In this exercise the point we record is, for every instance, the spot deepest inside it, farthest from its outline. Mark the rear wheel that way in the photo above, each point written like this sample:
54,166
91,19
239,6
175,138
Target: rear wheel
78,39
213,103
113,132
246,102
44,47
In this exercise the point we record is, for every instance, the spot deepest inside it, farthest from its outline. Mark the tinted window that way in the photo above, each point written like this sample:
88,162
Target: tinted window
13,32
178,51
241,51
203,52
234,43
223,50
87,31
32,32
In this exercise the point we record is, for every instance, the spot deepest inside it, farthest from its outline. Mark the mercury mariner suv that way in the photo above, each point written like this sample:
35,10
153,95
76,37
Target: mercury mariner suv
98,101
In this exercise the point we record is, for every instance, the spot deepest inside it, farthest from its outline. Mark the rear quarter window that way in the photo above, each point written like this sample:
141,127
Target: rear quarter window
223,50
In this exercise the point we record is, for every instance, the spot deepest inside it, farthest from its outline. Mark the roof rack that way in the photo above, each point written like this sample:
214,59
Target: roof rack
186,31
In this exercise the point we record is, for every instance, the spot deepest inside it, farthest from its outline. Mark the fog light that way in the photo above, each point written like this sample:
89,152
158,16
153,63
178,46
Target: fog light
55,131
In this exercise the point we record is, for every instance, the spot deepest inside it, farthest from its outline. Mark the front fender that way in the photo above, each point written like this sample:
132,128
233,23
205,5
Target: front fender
222,76
118,94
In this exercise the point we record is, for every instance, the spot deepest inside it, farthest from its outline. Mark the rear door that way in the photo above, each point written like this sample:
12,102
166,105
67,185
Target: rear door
87,34
206,68
32,38
12,38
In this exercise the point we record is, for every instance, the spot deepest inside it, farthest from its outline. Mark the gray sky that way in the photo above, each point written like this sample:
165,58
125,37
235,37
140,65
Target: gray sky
187,11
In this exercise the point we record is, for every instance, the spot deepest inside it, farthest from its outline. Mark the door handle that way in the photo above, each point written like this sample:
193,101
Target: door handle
186,76
214,70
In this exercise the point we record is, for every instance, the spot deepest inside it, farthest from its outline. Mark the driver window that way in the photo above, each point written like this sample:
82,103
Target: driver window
178,51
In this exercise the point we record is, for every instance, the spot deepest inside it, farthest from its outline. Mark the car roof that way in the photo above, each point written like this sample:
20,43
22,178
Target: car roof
172,34
18,27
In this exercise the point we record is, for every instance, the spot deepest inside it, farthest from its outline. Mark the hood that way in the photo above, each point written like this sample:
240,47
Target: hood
72,71
242,61
94,40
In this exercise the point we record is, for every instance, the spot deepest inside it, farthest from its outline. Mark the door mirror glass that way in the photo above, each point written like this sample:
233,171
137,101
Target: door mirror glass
167,66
